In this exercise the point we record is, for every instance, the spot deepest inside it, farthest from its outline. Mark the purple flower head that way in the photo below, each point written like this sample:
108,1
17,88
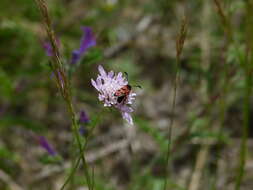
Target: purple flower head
107,84
88,40
83,119
48,48
45,144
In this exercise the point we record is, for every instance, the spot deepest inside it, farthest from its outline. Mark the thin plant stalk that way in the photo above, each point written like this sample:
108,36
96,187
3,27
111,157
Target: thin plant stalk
225,22
97,120
225,76
247,66
63,82
245,129
179,47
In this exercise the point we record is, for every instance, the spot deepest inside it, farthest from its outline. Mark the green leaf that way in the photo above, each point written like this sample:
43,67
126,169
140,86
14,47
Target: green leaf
48,159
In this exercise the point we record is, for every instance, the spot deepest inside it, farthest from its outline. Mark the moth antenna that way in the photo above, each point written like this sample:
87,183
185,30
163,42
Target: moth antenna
126,75
127,80
137,86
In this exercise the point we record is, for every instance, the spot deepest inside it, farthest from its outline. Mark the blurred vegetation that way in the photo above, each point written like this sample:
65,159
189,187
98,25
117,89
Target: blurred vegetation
212,129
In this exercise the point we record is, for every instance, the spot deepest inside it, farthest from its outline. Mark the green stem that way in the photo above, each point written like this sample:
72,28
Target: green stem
71,173
246,116
77,137
97,120
247,93
179,47
63,82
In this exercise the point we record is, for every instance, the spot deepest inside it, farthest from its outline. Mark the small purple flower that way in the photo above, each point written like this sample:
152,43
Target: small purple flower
88,40
107,84
83,120
48,48
45,144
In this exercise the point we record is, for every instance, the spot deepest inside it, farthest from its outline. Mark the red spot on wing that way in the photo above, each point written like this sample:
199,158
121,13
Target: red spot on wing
125,90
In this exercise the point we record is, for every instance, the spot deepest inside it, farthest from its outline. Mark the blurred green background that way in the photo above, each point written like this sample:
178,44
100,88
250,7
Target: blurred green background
212,124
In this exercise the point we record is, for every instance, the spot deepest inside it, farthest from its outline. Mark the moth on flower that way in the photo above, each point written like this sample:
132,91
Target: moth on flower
114,91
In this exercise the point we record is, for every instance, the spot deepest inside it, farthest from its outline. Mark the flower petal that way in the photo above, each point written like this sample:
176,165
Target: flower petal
75,56
48,48
99,82
88,40
125,108
110,74
45,144
102,71
83,118
127,117
94,84
119,76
